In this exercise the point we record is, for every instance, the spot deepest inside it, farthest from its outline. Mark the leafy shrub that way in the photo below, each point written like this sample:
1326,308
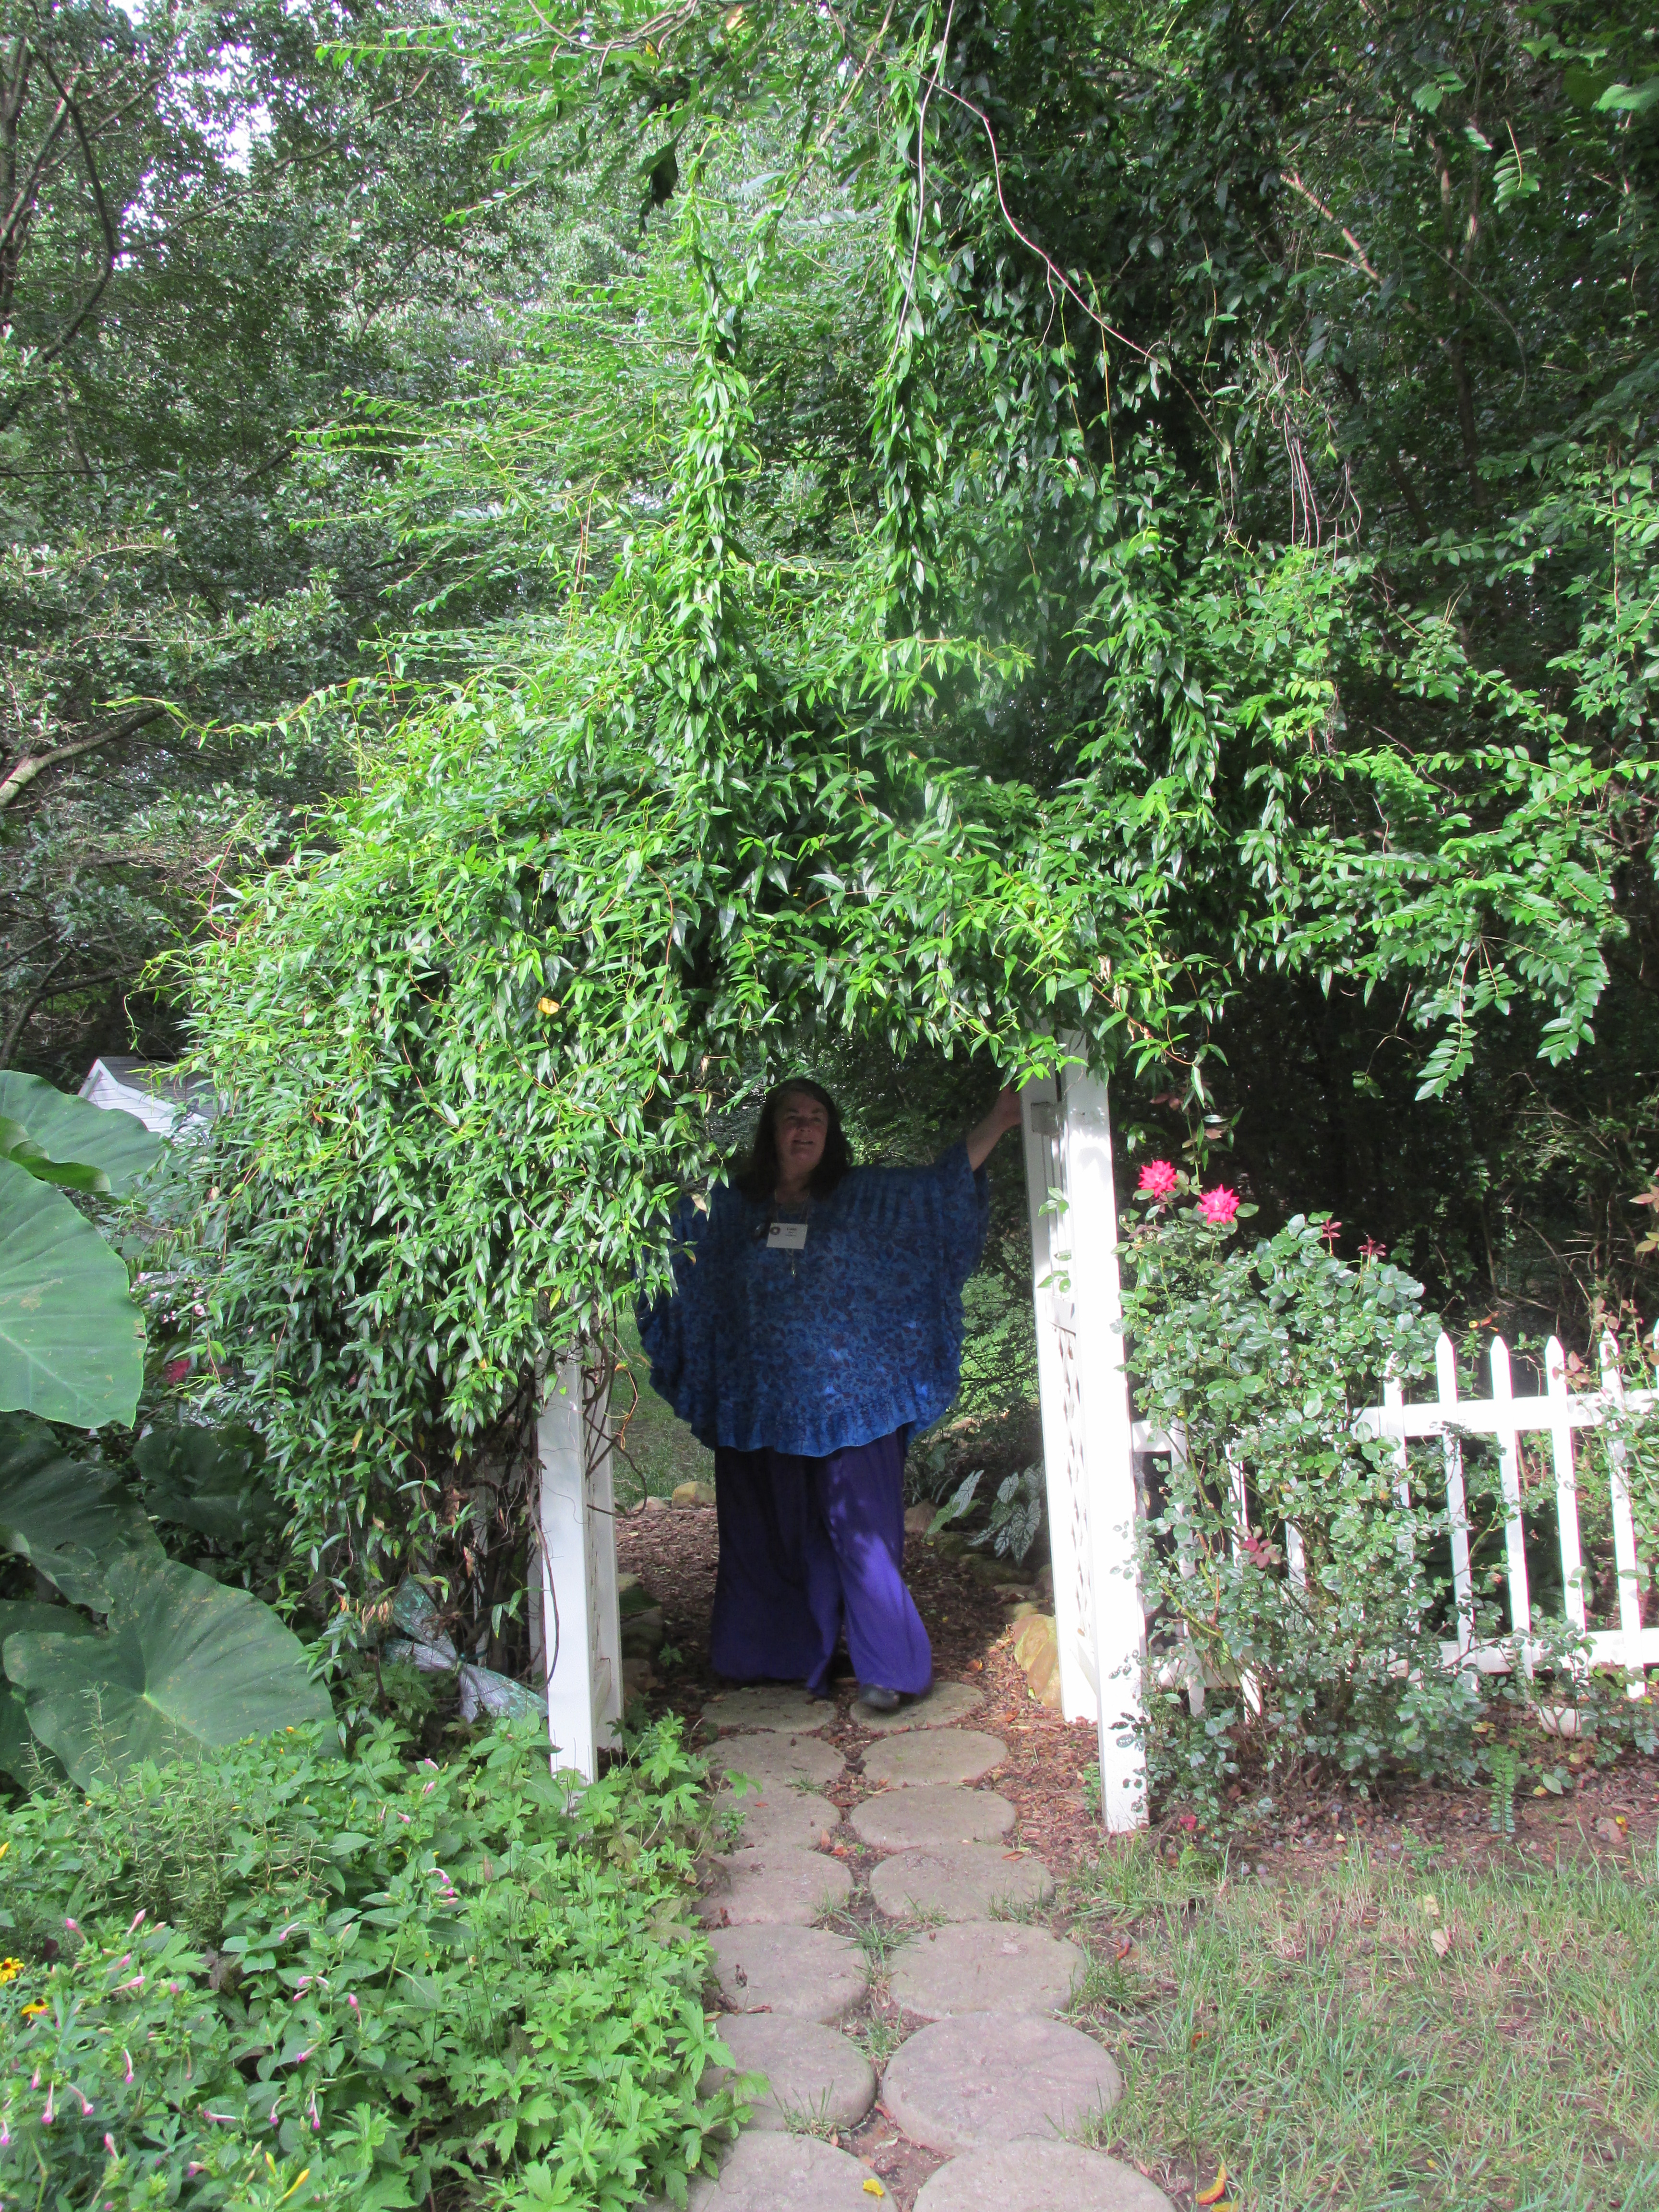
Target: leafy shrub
279,1977
1257,1362
1015,1517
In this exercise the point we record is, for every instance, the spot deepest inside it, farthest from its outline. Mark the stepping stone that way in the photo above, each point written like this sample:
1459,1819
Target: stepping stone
779,1759
776,1887
793,1973
959,1881
812,2074
986,1965
944,1703
781,1815
961,2084
934,1813
933,1755
770,1705
1039,2177
783,2173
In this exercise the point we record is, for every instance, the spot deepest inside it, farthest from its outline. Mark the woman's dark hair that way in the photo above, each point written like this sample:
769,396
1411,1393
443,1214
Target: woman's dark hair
757,1179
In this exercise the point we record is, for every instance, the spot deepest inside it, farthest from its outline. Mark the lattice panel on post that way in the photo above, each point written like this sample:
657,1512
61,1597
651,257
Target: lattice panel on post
1077,1485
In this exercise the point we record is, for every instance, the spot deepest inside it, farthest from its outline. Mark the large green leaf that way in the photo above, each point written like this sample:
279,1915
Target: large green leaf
66,1518
17,1145
71,1339
208,1479
19,1750
70,1130
186,1666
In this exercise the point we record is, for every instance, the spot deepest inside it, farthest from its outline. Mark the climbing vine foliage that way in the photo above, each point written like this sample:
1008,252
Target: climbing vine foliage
998,550
470,1044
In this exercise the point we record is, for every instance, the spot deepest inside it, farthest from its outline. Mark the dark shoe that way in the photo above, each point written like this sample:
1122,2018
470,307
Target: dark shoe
880,1701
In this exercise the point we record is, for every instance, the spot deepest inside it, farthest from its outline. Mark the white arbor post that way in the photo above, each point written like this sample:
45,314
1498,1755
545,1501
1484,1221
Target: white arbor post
581,1632
1088,1438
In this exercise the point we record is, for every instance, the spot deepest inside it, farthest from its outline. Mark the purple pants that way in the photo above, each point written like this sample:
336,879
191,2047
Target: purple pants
809,1547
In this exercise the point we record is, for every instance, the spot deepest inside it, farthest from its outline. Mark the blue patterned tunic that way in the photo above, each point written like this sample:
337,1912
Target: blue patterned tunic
855,1336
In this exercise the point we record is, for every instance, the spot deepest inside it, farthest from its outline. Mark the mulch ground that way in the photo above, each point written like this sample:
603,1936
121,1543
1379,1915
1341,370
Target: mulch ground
1610,1816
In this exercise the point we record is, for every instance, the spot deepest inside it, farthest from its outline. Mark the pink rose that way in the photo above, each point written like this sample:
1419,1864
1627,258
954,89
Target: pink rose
1157,1179
1217,1206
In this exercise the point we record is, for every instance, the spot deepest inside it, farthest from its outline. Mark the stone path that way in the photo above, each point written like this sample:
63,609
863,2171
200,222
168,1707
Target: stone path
991,2079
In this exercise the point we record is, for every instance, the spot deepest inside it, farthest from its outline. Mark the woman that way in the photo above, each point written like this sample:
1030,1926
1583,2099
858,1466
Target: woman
816,1324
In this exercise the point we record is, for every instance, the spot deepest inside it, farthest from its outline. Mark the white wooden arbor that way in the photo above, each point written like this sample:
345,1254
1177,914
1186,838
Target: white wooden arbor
1088,1453
1091,1445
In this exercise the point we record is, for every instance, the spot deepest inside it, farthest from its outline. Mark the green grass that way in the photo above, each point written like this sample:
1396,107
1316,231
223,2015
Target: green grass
1315,2041
656,1450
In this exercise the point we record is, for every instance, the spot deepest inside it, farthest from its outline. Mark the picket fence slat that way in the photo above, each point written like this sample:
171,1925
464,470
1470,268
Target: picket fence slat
1566,1486
1624,1530
1445,1367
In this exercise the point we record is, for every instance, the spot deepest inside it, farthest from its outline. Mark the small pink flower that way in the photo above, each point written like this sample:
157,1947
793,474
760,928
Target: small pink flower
1157,1179
127,2055
352,2002
50,2114
74,1926
1330,1230
109,2145
1371,1250
1217,1206
1189,1822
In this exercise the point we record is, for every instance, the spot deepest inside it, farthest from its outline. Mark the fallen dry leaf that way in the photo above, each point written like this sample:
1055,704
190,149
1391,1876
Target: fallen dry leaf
1441,1940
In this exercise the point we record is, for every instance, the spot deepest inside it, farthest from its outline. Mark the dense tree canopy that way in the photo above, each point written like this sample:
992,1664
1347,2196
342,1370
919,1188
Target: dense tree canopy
925,530
213,235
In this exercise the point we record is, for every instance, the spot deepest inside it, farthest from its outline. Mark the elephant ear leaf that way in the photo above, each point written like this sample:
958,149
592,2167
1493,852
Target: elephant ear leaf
112,1147
66,1518
187,1665
21,1755
207,1480
71,1339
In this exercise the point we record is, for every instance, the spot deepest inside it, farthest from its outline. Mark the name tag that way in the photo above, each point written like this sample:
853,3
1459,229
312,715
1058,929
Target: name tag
787,1236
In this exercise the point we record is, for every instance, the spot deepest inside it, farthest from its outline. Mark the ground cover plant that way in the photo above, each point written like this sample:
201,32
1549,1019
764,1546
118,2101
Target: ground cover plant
276,1975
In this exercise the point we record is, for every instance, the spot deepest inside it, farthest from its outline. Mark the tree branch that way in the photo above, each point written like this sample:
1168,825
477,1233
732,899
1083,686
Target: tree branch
34,764
111,241
44,990
1391,460
28,1007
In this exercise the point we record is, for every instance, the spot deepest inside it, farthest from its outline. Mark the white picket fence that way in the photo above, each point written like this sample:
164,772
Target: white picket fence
1560,1414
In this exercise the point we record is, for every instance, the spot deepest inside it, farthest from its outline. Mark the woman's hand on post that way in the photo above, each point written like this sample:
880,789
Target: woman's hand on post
1004,1114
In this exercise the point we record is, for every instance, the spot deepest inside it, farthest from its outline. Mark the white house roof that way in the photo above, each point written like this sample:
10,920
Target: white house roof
159,1093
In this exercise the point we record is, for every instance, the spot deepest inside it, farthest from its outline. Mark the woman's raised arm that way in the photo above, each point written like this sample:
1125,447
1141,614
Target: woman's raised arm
982,1139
